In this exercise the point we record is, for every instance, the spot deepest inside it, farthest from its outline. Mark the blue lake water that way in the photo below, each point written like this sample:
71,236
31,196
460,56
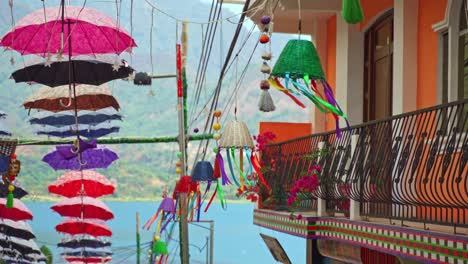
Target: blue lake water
236,240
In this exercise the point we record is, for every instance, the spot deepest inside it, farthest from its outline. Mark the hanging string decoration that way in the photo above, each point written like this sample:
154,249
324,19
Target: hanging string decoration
166,211
160,250
351,11
236,136
301,71
8,177
203,172
266,103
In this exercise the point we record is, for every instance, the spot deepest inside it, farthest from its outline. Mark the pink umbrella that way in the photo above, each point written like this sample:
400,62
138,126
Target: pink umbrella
94,31
92,227
19,212
87,182
86,207
83,260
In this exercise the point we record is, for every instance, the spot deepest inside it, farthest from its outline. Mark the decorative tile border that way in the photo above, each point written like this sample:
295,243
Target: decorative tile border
425,246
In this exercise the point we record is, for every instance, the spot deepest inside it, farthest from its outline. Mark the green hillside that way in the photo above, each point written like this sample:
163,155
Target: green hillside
143,170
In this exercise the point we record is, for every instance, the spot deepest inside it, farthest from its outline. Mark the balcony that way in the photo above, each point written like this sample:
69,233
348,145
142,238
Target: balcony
401,178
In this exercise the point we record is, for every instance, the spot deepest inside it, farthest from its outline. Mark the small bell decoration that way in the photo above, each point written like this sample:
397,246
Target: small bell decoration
267,56
265,68
167,210
266,103
300,68
160,250
351,11
10,197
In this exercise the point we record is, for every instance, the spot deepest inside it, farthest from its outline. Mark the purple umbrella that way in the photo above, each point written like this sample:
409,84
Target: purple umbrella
70,151
94,158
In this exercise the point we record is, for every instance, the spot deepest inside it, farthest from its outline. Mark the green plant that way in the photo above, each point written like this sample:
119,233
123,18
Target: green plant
48,254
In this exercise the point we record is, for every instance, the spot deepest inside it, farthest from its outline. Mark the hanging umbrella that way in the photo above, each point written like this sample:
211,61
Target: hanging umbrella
57,99
96,158
18,213
88,118
23,246
3,130
91,227
18,229
42,32
83,206
84,132
2,114
86,252
71,183
92,72
17,193
83,260
84,242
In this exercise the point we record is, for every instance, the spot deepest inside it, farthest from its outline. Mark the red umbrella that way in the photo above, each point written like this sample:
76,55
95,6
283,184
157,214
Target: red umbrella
19,212
88,206
83,260
93,227
87,182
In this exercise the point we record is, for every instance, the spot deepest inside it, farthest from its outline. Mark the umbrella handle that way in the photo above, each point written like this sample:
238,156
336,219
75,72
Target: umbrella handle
69,100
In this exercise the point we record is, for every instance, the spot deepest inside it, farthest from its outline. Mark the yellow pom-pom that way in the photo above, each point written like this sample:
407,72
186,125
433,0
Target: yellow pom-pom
216,136
156,237
178,170
216,126
11,188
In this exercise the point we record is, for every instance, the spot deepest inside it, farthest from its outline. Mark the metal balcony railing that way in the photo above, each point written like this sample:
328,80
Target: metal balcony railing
411,166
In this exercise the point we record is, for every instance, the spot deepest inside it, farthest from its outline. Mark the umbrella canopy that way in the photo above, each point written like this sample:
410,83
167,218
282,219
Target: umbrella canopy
88,118
83,260
3,130
86,132
17,193
18,229
93,227
40,33
93,184
86,252
19,211
96,158
87,98
84,242
24,247
2,114
83,206
92,72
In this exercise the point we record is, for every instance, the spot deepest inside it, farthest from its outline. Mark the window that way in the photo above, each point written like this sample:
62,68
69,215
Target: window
463,54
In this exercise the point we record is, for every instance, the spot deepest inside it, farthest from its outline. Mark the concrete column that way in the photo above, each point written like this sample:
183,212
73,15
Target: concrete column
405,55
354,212
349,70
321,204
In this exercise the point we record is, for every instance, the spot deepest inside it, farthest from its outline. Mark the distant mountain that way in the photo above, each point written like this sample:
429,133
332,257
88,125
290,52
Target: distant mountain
143,170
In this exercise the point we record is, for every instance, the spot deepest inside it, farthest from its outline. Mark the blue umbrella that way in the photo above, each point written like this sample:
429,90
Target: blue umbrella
67,120
87,133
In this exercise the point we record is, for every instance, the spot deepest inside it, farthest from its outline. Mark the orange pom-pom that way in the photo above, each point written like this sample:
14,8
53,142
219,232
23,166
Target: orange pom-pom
264,38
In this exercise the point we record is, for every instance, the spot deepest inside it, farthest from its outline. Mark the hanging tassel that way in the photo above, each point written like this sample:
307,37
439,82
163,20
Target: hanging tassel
257,167
10,196
241,173
266,103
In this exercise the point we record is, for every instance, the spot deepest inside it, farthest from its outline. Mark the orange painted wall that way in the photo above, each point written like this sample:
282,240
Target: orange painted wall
373,8
331,63
430,12
285,131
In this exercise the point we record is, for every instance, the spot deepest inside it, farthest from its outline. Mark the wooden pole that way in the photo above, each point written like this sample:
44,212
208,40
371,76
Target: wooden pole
138,236
183,224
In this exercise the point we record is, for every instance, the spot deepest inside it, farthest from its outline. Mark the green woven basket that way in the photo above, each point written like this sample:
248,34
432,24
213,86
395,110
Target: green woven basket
159,247
352,11
299,58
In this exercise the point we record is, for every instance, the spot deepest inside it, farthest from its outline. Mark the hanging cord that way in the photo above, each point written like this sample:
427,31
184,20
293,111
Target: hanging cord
43,8
235,89
131,29
10,3
300,17
260,7
151,40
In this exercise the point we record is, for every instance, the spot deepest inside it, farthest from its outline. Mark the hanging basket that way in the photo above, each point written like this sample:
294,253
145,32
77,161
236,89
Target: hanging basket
298,58
352,11
237,135
203,172
7,146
